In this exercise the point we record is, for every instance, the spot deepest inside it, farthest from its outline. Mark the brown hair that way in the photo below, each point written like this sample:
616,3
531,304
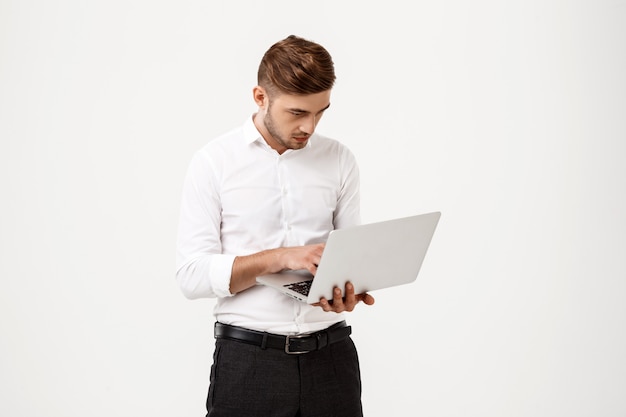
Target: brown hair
296,66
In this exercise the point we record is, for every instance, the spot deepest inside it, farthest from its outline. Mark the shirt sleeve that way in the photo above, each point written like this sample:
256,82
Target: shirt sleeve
348,211
202,271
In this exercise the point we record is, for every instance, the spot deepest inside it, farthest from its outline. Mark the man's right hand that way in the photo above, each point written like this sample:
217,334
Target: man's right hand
299,257
247,268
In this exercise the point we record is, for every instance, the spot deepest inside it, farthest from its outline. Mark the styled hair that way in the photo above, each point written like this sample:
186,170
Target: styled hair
296,66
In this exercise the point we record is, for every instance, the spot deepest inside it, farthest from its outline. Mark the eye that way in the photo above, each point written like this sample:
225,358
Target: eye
296,113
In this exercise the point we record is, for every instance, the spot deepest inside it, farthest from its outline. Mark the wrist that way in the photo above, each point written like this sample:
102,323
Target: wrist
274,260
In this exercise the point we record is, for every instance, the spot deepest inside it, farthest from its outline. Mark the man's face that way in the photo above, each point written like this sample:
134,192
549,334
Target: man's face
289,120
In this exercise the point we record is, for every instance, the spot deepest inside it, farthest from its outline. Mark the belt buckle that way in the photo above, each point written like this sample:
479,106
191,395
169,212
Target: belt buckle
287,343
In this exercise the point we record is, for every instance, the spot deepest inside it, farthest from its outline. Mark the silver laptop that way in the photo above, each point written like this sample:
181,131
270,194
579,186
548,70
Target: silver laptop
371,256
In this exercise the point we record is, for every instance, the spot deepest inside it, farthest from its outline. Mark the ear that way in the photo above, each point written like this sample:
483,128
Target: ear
260,96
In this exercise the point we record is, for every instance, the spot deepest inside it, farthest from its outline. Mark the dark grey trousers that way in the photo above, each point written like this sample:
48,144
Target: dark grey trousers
247,381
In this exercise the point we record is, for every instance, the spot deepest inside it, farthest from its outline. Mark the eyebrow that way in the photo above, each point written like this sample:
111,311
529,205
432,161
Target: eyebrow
306,111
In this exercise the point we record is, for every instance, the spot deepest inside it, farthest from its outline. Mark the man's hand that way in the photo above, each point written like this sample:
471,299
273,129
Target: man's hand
247,268
299,257
339,304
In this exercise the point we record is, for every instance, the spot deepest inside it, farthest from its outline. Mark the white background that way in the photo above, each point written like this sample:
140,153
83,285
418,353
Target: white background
508,117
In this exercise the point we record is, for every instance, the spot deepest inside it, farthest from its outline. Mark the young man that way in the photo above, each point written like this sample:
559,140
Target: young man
260,199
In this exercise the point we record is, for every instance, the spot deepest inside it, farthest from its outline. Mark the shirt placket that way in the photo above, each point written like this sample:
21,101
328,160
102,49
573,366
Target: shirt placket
284,179
288,213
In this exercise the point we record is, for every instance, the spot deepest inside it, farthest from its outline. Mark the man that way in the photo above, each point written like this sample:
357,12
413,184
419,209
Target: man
257,200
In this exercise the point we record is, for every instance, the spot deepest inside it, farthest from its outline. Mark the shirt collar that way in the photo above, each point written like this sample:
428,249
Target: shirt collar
250,132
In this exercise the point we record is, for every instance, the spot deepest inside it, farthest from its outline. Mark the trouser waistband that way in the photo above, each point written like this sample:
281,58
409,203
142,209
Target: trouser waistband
294,344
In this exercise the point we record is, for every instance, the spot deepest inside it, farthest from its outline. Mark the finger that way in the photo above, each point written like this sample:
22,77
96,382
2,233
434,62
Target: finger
350,300
367,299
338,305
324,304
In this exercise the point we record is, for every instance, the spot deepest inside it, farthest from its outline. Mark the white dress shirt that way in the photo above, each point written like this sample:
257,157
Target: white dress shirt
241,197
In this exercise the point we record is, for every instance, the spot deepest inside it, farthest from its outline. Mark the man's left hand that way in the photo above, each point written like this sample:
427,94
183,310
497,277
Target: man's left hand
341,303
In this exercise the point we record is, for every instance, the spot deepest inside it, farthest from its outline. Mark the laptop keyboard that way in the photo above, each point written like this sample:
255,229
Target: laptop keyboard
302,287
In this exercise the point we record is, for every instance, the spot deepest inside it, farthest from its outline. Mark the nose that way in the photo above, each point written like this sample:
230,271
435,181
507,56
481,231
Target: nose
308,125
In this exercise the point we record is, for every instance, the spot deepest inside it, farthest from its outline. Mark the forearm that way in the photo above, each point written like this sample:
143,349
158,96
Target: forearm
247,268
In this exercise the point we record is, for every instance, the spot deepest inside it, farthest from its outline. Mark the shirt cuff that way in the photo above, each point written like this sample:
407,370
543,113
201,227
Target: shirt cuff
221,270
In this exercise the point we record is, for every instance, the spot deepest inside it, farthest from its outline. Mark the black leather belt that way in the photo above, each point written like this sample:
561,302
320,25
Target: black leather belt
294,344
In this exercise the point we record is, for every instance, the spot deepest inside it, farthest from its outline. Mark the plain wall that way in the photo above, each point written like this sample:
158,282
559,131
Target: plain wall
508,117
